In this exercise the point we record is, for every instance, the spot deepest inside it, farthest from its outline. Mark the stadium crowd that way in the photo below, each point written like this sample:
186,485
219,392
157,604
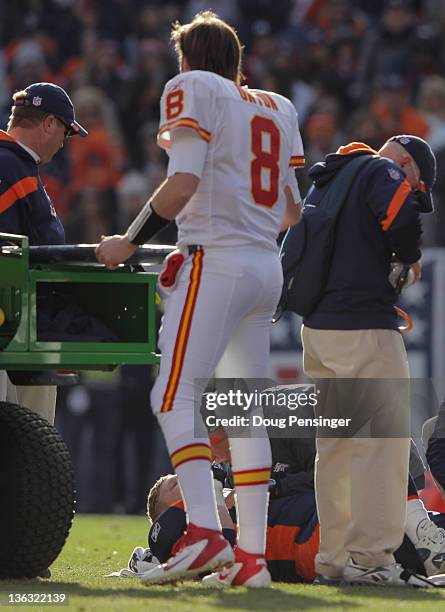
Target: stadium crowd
359,70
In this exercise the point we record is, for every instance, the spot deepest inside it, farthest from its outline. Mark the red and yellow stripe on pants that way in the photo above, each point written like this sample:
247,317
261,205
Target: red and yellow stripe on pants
191,452
248,478
183,332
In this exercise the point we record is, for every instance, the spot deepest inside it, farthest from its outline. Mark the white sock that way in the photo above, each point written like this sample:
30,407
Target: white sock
415,514
251,507
251,460
190,458
195,478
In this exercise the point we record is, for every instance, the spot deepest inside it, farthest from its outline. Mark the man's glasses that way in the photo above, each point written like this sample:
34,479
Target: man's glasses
67,127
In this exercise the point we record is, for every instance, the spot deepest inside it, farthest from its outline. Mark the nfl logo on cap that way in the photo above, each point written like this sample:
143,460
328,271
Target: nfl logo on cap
36,101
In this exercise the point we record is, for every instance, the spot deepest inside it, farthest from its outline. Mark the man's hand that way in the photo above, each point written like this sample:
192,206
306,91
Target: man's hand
229,498
114,250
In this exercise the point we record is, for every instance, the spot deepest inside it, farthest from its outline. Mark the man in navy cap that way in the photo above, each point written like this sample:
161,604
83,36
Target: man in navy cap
42,117
353,333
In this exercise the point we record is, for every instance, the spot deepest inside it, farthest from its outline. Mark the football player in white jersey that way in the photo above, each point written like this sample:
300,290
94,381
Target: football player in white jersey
230,187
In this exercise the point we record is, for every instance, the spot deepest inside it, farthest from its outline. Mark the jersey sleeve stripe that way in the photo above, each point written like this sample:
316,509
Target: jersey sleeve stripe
183,332
19,190
297,161
189,123
396,204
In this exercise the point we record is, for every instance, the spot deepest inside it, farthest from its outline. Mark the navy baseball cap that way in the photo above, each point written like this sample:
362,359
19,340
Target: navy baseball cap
424,157
51,98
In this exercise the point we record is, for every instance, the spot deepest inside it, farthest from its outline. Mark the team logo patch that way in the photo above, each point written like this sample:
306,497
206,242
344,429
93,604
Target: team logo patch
404,140
394,174
280,467
155,532
36,101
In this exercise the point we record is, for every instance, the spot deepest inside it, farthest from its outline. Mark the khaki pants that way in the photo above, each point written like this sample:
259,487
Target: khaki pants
39,399
360,483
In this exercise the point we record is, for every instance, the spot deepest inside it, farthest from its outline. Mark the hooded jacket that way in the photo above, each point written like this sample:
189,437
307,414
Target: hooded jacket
380,217
25,207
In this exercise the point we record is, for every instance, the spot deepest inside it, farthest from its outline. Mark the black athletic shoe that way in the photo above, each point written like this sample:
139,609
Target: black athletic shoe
45,573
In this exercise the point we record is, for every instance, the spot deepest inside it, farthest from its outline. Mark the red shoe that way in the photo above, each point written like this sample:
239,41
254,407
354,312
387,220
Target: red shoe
197,551
248,570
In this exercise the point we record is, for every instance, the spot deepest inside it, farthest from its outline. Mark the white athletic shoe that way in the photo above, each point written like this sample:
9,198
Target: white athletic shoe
431,547
386,575
198,551
248,570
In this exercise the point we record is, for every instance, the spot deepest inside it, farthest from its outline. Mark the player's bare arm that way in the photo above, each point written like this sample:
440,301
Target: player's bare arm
166,203
292,213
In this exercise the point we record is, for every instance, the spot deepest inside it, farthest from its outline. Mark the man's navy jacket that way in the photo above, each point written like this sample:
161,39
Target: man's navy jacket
25,207
379,217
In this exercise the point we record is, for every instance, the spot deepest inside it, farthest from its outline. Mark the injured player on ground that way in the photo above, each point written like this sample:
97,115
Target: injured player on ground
292,537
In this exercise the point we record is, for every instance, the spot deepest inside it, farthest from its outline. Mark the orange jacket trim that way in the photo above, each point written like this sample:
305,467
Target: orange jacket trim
355,147
396,204
17,191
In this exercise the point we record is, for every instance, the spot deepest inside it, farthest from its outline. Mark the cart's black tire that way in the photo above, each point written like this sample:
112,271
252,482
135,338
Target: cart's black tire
37,492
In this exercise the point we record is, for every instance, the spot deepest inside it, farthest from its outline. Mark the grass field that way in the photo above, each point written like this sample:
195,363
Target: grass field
99,545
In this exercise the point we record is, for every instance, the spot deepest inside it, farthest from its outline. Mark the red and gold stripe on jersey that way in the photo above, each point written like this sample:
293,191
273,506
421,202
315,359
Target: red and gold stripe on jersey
186,122
183,333
297,161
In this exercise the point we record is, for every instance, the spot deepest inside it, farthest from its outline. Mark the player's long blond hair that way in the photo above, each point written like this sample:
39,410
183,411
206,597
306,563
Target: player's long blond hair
209,43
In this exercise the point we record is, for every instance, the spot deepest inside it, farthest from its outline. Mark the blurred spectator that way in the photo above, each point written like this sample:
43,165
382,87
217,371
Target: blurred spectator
260,17
431,100
96,169
140,100
322,133
365,127
338,19
132,192
226,9
28,64
154,159
390,49
393,110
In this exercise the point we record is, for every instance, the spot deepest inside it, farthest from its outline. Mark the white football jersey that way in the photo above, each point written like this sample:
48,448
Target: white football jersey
253,139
